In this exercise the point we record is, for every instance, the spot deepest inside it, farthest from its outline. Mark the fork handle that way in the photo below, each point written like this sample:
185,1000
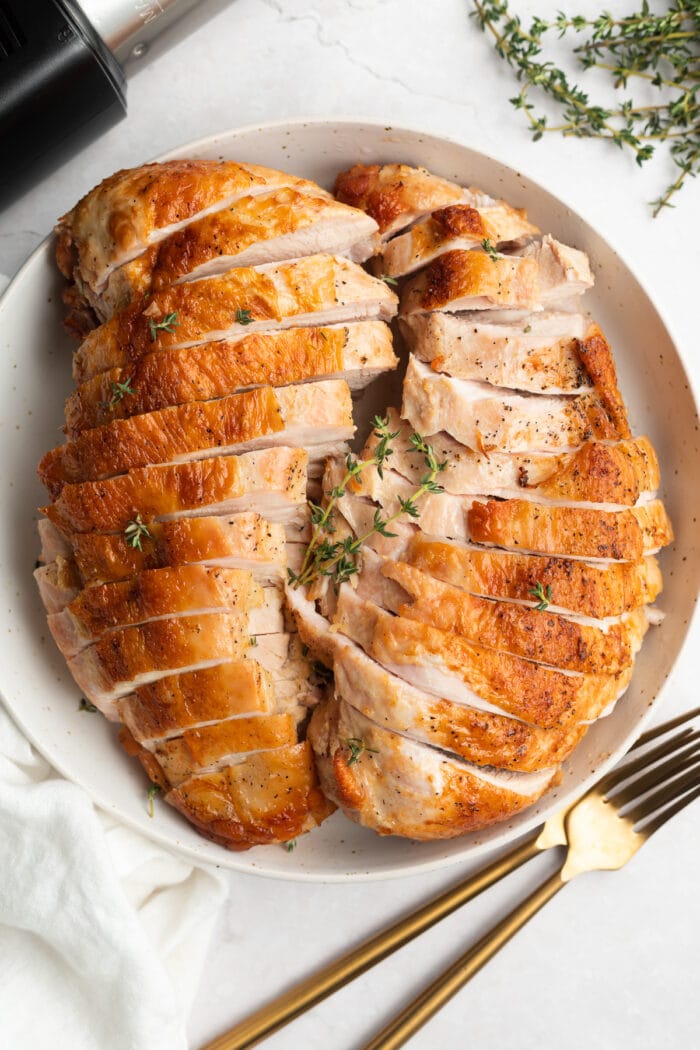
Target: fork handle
417,1013
341,971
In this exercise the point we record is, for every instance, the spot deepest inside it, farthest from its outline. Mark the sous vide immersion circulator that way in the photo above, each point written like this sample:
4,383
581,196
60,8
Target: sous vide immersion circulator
63,68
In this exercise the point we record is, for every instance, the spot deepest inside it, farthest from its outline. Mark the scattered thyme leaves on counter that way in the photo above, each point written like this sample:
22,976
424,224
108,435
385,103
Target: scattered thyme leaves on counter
658,53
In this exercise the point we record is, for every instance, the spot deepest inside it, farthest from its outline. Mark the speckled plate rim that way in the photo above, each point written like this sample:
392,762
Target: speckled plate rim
260,860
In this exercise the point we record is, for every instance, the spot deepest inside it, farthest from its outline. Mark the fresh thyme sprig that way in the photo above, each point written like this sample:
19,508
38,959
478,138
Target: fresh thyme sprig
490,250
168,324
243,317
542,594
339,560
119,392
663,50
136,532
356,746
85,705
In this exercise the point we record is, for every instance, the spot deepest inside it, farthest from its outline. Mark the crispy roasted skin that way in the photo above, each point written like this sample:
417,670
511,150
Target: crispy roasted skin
204,310
591,590
198,749
625,535
458,225
456,276
393,194
126,211
250,538
536,635
179,702
161,592
596,355
271,797
106,669
532,692
108,506
597,472
212,370
481,737
198,429
400,787
244,226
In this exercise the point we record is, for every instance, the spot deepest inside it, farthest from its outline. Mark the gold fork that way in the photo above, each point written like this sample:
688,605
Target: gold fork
604,830
307,993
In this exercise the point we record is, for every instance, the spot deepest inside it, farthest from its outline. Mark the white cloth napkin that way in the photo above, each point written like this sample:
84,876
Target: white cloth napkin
102,932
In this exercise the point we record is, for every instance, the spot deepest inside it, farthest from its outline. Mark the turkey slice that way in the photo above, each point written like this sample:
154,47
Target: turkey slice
597,590
449,666
317,290
357,353
137,207
458,226
472,280
271,797
397,786
264,228
493,420
271,482
317,416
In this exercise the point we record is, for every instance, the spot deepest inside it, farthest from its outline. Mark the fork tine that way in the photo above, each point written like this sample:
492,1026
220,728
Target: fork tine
658,775
665,727
668,793
666,814
621,773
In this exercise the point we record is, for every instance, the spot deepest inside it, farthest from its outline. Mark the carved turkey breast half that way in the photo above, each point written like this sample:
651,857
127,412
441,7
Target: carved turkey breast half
419,634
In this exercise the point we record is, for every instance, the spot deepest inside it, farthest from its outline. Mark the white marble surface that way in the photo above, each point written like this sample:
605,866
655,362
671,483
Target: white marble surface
613,961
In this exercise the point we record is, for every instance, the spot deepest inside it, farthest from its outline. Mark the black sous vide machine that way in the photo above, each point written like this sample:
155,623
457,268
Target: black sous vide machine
63,69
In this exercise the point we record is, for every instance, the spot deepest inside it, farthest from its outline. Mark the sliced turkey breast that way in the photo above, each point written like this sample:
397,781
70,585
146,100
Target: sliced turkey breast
137,207
264,228
133,656
490,420
357,353
398,786
625,535
318,416
210,748
597,472
449,666
542,636
271,482
459,226
271,797
477,736
472,280
193,699
162,594
395,195
246,541
317,290
595,590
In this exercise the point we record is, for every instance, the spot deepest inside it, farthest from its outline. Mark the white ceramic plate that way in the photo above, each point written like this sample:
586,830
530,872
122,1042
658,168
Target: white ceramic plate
35,366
